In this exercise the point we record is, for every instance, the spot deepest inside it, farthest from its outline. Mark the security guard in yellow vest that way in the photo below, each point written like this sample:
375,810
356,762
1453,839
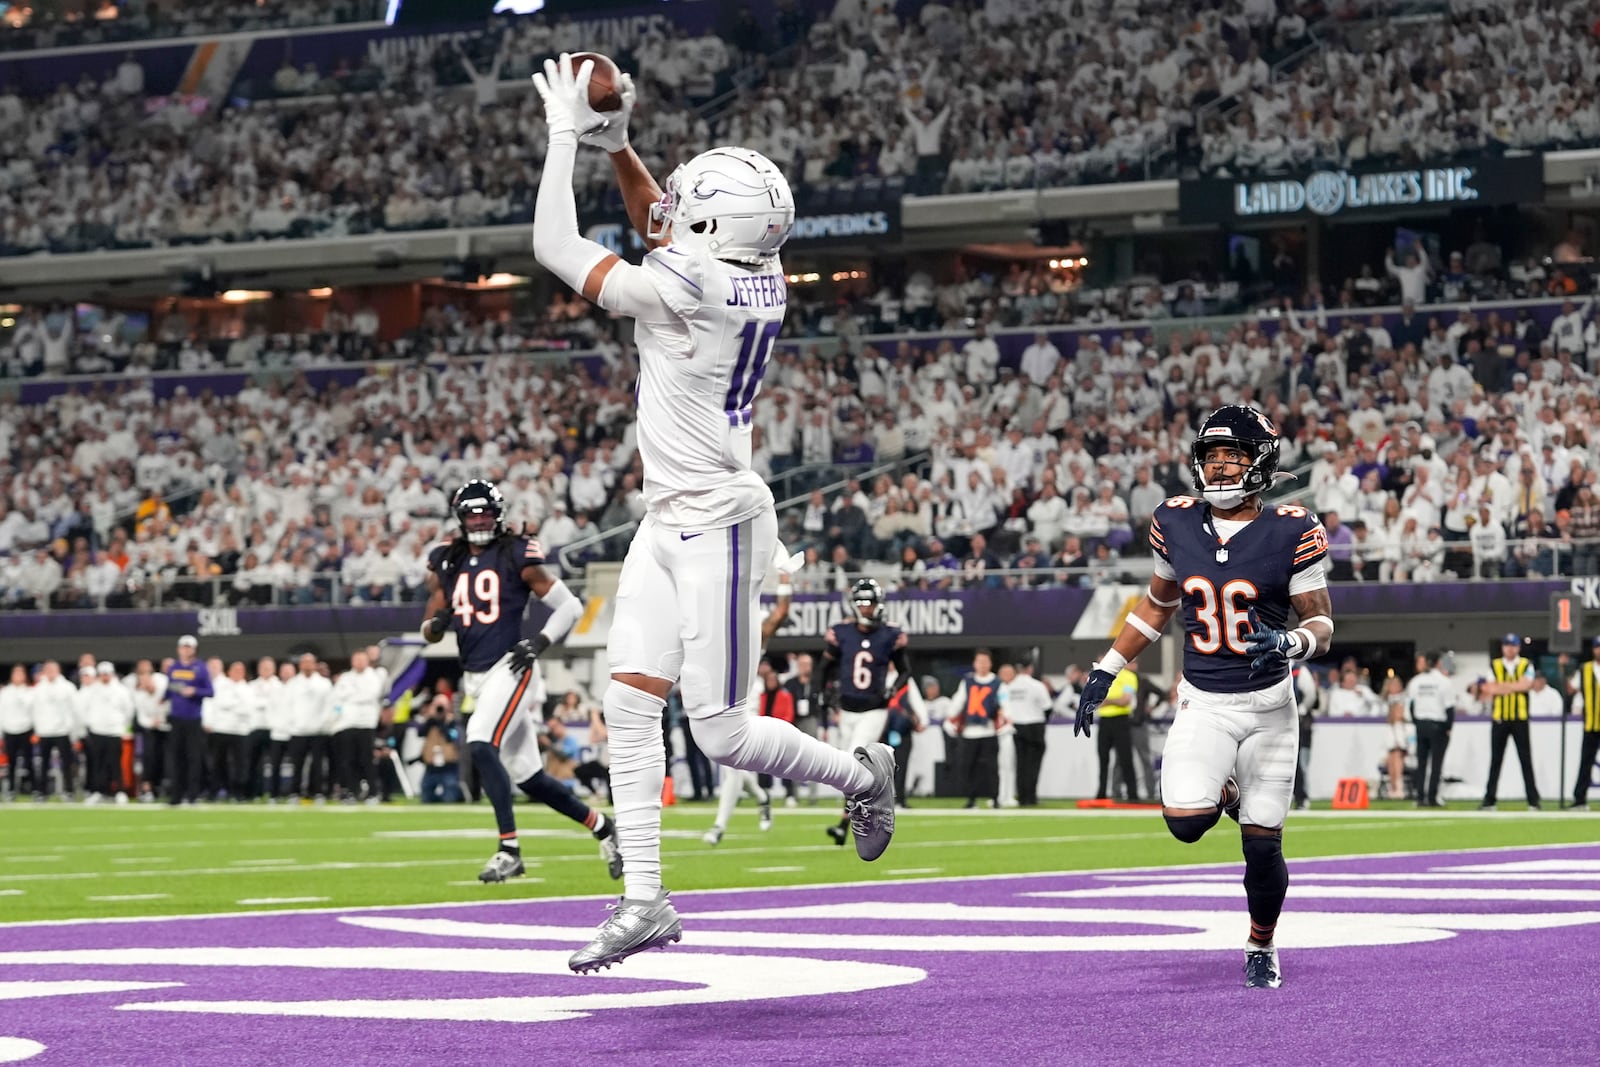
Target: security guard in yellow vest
1116,733
1586,692
1513,678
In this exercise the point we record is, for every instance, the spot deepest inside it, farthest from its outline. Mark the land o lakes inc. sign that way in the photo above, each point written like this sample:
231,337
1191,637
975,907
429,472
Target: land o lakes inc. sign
1342,193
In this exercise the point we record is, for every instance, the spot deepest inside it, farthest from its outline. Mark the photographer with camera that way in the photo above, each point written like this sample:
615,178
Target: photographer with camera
441,751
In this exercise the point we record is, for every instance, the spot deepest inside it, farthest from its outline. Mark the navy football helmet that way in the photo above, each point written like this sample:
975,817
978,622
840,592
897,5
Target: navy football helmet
1248,431
866,602
481,510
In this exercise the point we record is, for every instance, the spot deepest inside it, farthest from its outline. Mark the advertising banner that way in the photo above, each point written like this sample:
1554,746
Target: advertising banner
979,614
877,222
1355,193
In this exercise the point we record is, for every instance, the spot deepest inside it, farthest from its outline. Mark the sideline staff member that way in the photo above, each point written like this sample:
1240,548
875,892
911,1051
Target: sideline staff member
1430,696
1586,685
188,684
1513,680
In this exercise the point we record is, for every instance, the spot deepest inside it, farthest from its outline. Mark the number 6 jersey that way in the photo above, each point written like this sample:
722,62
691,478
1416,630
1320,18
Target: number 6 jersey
1224,570
487,595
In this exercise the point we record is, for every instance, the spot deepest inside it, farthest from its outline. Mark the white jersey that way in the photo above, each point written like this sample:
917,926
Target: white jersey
1027,700
698,381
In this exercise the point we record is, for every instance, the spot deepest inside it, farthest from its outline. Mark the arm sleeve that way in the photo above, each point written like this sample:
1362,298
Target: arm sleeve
570,256
565,610
202,682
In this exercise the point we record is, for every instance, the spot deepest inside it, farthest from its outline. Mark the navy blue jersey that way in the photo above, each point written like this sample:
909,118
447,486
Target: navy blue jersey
1221,583
487,596
983,700
864,660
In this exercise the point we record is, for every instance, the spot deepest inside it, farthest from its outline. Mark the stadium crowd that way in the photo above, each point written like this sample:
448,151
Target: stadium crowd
862,94
76,23
1461,446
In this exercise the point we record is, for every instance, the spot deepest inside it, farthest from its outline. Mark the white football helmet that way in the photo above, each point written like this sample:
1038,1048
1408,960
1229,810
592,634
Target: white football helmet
730,202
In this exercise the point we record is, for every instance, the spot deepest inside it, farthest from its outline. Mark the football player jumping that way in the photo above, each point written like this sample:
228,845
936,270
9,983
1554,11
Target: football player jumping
708,302
479,585
1236,567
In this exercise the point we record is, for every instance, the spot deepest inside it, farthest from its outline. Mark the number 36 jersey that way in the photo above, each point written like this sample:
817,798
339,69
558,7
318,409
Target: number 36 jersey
486,594
1263,563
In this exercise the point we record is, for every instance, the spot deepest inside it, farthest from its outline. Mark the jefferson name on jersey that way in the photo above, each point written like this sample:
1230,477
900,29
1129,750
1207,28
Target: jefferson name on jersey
487,595
699,376
1222,583
864,660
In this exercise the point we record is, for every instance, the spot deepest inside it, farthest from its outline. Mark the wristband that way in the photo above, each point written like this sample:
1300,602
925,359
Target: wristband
1112,662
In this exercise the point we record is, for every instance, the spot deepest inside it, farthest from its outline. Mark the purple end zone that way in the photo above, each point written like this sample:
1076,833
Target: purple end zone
1482,957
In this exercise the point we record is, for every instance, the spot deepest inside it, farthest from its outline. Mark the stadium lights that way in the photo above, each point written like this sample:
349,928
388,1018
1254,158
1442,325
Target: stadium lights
321,292
807,278
8,321
245,296
848,275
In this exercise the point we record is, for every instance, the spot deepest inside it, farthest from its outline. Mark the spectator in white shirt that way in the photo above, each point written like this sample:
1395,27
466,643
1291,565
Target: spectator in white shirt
1040,360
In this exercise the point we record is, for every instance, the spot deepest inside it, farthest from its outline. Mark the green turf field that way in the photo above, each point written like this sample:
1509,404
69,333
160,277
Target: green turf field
65,861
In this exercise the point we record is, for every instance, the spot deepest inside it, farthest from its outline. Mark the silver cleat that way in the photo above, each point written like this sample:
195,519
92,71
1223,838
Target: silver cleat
634,926
871,813
501,865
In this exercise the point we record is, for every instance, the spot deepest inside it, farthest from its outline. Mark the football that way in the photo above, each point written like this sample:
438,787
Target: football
605,84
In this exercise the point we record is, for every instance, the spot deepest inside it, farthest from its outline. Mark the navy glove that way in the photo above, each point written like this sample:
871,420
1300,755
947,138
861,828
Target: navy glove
524,652
1271,648
1095,691
439,623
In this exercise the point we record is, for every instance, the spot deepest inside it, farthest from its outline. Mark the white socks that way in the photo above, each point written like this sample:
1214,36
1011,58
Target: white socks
638,771
739,738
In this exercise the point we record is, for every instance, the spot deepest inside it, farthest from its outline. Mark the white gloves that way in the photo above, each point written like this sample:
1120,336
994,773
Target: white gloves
566,104
786,565
613,134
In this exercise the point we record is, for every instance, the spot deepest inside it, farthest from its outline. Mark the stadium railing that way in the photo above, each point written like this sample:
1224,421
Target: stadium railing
1560,559
828,477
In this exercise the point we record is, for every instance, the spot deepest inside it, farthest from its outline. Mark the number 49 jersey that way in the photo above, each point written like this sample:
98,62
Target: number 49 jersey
487,595
1277,554
864,660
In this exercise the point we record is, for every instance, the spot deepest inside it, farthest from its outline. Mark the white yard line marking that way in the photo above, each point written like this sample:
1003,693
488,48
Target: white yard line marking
118,897
1016,876
198,871
131,861
283,900
774,870
12,892
35,859
475,881
263,863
